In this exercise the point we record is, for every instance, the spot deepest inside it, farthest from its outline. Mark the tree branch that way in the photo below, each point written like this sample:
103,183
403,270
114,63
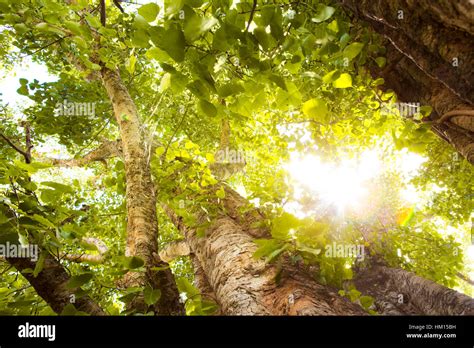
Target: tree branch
99,258
251,15
106,150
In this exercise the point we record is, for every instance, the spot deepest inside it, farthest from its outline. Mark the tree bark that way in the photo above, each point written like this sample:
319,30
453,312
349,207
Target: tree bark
435,39
50,284
142,227
400,292
243,285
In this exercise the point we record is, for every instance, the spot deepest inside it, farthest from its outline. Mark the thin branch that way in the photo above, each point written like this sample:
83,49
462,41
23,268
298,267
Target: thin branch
174,134
103,16
251,15
16,148
45,46
106,150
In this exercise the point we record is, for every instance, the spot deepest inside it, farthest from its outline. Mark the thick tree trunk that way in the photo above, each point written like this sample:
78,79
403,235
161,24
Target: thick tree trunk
142,227
435,39
243,285
50,284
246,286
202,283
400,292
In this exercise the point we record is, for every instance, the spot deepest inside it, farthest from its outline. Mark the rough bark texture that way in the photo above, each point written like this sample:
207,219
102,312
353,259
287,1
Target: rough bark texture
105,150
202,283
435,40
244,285
50,284
400,292
142,228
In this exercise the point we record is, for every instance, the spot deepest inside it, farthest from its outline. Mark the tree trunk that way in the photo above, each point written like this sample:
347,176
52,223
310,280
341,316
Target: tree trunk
400,292
142,227
50,284
246,286
243,285
435,39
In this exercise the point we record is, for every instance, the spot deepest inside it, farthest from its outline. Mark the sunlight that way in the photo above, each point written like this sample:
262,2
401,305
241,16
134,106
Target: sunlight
341,185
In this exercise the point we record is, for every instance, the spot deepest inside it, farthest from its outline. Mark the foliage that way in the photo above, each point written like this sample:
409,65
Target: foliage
294,80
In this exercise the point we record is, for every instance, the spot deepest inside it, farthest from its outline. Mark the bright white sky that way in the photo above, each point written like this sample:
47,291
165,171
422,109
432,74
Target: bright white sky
9,81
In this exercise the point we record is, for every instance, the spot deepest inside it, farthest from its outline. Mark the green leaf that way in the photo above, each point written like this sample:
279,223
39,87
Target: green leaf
344,81
331,76
23,90
131,64
279,81
366,301
324,13
39,264
199,89
220,193
149,11
21,28
151,296
207,108
307,249
133,262
58,187
74,27
274,254
196,26
316,109
173,43
426,110
158,54
42,220
185,286
381,61
351,51
262,37
267,247
141,39
173,6
230,89
165,82
79,280
283,224
69,310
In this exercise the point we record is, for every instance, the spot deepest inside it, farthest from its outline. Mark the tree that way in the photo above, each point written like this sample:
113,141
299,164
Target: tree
432,66
175,100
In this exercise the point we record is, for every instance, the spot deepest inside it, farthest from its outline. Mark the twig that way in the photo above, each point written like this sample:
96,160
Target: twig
16,148
251,15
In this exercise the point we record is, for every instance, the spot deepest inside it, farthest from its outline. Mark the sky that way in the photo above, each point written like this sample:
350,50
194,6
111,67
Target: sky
10,81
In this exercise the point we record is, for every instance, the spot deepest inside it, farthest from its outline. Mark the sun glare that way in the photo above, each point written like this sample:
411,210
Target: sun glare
342,185
345,185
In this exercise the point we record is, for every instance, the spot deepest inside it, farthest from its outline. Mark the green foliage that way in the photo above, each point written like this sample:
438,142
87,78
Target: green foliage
416,248
194,303
295,80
